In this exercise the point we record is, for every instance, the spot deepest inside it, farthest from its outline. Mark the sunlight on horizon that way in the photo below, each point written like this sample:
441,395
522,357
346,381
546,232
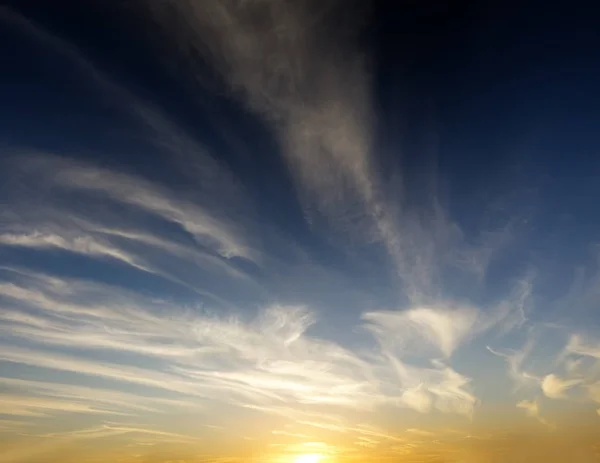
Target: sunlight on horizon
309,458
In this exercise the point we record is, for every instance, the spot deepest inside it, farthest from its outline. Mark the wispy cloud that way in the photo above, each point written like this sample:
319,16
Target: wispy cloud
555,387
205,215
111,430
269,361
310,81
532,409
316,91
90,398
207,229
85,245
578,346
37,406
425,388
161,233
192,157
515,359
441,328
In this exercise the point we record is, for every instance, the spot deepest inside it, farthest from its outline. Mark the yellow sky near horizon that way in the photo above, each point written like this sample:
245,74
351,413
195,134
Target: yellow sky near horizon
130,445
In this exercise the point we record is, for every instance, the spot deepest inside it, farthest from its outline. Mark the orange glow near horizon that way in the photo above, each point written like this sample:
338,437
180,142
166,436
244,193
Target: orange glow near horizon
309,458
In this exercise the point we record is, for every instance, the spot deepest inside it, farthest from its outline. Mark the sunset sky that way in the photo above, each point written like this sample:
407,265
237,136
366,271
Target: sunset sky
299,231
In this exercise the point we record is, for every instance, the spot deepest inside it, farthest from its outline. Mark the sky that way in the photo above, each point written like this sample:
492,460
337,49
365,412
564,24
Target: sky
299,232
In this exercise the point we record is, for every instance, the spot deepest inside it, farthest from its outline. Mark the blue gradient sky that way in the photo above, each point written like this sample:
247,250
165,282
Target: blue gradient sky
277,229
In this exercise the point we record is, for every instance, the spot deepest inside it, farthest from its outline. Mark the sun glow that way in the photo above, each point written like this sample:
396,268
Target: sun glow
309,458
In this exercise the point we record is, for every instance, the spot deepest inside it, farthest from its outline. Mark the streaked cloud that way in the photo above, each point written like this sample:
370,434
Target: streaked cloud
207,229
577,345
79,244
196,253
316,92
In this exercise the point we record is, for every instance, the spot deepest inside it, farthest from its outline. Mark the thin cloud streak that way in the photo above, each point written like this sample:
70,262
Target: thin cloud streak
97,232
204,227
79,244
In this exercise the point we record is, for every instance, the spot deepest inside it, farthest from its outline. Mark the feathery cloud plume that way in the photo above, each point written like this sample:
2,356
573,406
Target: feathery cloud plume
555,387
441,328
